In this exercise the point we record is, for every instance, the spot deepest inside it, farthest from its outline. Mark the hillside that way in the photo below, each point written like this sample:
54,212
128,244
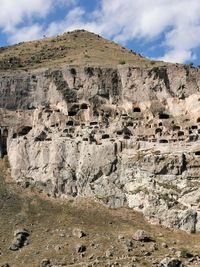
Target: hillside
80,48
108,233
95,137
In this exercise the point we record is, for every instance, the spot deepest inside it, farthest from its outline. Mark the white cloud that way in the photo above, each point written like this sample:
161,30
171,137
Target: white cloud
179,21
122,20
13,12
29,33
125,20
181,41
73,20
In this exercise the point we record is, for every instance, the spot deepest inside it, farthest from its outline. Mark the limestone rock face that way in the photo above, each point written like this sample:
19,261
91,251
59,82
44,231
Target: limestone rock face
126,136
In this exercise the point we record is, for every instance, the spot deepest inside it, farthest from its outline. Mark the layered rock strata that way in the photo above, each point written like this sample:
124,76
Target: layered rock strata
126,136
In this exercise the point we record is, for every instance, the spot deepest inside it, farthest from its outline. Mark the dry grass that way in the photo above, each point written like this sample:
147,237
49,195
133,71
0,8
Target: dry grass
80,48
51,223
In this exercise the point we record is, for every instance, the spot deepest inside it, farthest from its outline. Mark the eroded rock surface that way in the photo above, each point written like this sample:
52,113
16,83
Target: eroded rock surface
126,136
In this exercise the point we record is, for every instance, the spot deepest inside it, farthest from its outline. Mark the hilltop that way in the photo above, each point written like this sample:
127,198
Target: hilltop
80,48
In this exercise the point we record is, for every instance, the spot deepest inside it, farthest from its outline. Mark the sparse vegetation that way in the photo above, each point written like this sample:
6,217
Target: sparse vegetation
152,62
185,253
188,66
122,62
191,65
51,223
69,48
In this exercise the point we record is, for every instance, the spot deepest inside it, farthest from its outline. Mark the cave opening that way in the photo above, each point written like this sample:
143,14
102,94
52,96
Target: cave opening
163,115
72,113
163,141
136,109
84,106
3,139
24,130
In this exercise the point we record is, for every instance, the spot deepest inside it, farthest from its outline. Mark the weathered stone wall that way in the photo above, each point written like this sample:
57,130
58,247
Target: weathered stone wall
28,90
125,136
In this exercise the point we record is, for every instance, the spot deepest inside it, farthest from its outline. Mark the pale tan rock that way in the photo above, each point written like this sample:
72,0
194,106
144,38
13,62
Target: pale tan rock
127,136
78,233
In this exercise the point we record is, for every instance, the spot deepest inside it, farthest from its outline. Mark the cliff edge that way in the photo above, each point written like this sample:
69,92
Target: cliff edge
97,120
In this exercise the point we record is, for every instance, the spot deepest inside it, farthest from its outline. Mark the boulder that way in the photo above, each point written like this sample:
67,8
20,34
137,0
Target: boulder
20,239
22,231
45,263
81,248
78,233
170,262
142,236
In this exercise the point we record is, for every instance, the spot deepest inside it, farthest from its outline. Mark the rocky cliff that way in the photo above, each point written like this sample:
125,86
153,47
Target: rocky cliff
126,135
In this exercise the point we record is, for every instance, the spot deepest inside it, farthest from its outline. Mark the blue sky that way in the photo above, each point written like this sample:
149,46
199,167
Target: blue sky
160,29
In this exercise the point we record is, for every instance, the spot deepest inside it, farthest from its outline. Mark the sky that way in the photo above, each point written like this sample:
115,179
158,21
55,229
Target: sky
166,30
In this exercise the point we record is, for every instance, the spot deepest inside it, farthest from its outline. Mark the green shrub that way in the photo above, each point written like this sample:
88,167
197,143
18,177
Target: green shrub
185,253
122,62
152,62
187,69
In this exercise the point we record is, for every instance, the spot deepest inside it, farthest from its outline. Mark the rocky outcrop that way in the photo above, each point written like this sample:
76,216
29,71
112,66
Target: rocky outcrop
32,89
126,136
